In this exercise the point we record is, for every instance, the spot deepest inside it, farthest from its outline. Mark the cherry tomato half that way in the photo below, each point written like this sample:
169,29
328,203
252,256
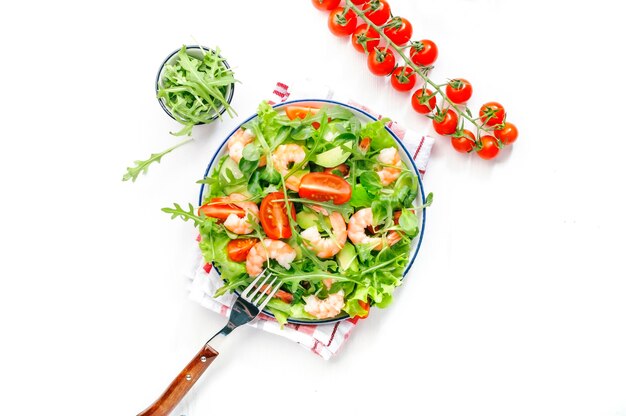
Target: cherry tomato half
322,186
378,11
341,170
220,208
342,21
366,306
299,111
492,113
399,30
463,141
445,122
459,90
424,52
325,5
381,61
365,35
507,134
238,249
423,101
273,216
403,78
365,144
488,147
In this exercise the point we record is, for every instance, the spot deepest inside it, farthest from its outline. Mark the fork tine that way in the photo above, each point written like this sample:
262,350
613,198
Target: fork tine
259,286
271,294
244,294
264,291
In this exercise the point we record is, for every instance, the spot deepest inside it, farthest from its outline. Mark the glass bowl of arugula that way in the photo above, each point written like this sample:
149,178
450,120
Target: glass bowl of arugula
339,180
195,85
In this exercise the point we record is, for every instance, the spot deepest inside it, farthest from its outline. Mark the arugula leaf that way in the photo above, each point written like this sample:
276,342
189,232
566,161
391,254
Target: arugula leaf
141,166
185,215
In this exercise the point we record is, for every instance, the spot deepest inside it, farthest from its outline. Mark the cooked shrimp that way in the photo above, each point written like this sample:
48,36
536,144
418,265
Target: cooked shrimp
241,225
326,308
327,247
237,142
356,230
278,250
389,156
283,156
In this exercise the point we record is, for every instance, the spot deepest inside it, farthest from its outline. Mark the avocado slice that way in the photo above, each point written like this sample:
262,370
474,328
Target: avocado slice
333,157
347,258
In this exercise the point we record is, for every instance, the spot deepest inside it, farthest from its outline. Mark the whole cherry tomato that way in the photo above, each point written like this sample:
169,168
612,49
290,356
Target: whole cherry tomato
459,90
506,133
365,35
325,5
463,141
423,101
399,30
377,11
342,21
381,61
403,78
488,147
424,52
492,113
445,122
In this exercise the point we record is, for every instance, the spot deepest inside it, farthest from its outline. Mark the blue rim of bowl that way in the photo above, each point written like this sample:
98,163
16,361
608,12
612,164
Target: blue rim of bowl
231,92
396,138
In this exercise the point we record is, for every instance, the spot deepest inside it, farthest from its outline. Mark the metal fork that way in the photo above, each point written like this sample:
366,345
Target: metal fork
247,307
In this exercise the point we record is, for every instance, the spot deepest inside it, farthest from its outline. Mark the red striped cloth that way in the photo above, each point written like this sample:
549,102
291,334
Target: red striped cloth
324,340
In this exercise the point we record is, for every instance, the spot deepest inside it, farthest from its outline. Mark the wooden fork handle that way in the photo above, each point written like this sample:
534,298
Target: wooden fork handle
182,383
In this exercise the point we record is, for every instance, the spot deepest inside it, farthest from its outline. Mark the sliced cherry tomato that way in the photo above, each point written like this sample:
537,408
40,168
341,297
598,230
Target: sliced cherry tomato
341,170
403,78
281,294
463,141
506,133
365,35
424,52
492,113
381,61
238,249
445,122
220,209
299,111
459,90
342,21
321,186
423,101
378,11
365,144
488,147
399,30
366,306
273,216
325,5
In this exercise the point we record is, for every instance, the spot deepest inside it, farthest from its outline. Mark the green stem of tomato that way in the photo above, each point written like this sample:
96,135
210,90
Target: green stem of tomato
416,68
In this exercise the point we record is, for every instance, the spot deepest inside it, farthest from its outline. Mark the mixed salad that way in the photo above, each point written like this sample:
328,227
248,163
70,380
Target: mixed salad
319,199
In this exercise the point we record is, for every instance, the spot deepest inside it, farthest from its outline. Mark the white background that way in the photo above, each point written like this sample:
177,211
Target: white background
516,305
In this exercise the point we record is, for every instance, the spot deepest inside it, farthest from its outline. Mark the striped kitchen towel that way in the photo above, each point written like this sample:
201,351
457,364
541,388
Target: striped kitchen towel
324,340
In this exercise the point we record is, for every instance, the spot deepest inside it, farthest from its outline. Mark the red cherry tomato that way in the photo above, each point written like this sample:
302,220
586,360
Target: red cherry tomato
358,2
463,141
299,111
321,186
238,249
365,144
342,21
341,170
366,306
459,90
325,5
424,52
403,78
381,61
445,122
423,101
378,11
399,30
492,113
488,147
220,208
273,216
281,294
365,35
507,133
